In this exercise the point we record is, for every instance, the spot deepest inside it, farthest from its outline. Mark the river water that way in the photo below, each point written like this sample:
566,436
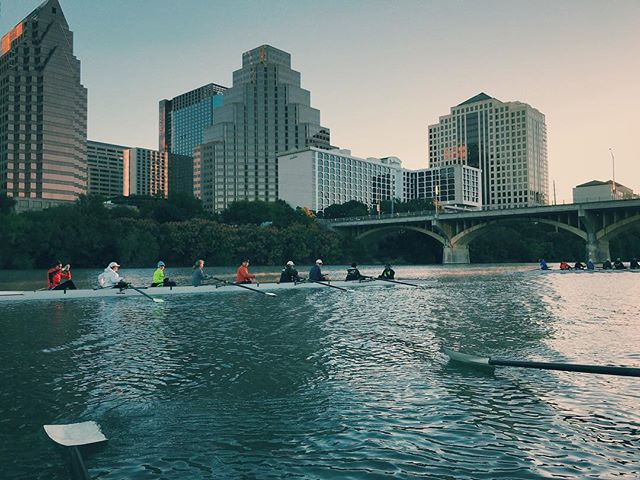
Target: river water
323,384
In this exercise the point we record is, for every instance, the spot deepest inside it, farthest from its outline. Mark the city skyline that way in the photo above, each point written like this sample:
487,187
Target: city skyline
379,72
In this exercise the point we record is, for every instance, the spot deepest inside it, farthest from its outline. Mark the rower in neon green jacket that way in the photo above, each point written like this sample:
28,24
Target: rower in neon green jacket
159,280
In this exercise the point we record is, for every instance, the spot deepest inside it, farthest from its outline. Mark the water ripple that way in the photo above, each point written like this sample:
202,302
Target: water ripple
323,384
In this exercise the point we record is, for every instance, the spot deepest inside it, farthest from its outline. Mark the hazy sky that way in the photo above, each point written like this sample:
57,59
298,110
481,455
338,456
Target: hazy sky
379,71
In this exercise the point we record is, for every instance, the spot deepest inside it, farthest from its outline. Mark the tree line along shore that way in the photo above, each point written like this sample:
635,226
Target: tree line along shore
140,230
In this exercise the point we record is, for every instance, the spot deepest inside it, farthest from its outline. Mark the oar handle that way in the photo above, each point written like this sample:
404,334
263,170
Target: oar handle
569,367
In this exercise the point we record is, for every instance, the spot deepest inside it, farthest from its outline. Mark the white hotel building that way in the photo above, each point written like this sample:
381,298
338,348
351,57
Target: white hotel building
316,178
506,140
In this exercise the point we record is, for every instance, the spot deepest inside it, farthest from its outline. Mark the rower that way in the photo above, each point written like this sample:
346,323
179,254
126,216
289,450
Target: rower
618,265
543,265
159,280
315,273
634,265
579,265
289,274
353,273
565,266
606,265
242,274
590,265
56,274
198,275
388,273
110,278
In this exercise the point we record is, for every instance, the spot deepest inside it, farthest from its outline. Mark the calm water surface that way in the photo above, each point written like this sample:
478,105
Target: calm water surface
323,384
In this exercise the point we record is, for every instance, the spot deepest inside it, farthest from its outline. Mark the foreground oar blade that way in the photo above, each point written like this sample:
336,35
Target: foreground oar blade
466,358
75,434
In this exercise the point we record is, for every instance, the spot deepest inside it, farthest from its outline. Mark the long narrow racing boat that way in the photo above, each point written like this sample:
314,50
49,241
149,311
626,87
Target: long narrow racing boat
202,290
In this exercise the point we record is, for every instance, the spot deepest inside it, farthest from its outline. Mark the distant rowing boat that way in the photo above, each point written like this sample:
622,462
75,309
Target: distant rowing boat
187,290
598,270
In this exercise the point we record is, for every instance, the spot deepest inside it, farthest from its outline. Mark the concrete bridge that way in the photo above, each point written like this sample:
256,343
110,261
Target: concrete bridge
596,223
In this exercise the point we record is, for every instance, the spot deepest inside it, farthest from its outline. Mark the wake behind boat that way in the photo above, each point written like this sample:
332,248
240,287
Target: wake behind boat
189,290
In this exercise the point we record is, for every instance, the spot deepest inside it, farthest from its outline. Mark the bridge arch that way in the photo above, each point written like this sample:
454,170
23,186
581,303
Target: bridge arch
442,240
621,226
465,237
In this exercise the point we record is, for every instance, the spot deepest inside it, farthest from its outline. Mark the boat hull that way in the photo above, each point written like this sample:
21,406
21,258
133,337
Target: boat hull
8,296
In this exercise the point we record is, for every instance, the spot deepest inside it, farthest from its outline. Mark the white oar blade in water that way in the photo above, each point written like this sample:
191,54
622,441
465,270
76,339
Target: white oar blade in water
75,434
269,294
465,358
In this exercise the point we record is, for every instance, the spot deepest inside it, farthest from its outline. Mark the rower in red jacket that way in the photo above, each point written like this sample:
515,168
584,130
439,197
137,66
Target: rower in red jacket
56,274
243,275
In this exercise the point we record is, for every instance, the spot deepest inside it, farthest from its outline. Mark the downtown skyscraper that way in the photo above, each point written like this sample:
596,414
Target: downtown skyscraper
265,113
506,140
43,112
184,118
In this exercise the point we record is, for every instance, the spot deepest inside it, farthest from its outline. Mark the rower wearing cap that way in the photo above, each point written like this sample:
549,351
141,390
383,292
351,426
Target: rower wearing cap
110,278
315,273
159,279
388,273
289,273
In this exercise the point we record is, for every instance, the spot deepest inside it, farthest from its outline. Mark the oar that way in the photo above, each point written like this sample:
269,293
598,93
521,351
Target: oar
400,283
156,300
268,294
74,435
565,367
332,286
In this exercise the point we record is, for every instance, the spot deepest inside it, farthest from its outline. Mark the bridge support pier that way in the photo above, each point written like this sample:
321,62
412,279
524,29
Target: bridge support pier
598,250
455,254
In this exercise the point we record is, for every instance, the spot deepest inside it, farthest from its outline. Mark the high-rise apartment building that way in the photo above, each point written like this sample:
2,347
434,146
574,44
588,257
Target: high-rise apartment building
43,112
154,173
106,168
506,140
184,118
265,113
145,172
316,179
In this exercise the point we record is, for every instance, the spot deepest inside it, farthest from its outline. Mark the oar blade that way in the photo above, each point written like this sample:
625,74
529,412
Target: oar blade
158,300
75,434
466,358
270,294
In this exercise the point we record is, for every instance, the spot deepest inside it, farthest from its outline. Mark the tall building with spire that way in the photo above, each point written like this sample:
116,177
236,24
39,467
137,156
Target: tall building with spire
506,140
265,113
43,112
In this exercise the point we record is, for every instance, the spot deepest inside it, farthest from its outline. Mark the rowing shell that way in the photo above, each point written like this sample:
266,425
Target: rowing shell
6,296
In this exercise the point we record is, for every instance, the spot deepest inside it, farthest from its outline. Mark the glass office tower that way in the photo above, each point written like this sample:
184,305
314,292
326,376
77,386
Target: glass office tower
184,118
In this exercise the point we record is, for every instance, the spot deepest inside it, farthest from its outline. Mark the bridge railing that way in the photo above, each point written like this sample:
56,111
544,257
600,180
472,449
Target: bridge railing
444,212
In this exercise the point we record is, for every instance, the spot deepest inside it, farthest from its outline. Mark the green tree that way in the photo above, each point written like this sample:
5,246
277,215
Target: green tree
6,204
352,208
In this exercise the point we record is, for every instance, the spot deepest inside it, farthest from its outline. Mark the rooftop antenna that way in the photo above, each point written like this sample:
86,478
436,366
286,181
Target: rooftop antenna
554,192
613,169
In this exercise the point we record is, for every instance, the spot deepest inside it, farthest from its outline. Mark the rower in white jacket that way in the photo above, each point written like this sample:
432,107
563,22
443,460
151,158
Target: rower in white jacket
110,277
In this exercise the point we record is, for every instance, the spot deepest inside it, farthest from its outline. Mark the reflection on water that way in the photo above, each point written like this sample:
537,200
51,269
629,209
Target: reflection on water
323,384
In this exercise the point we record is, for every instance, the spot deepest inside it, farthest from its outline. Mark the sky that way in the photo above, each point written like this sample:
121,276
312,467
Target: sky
379,71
